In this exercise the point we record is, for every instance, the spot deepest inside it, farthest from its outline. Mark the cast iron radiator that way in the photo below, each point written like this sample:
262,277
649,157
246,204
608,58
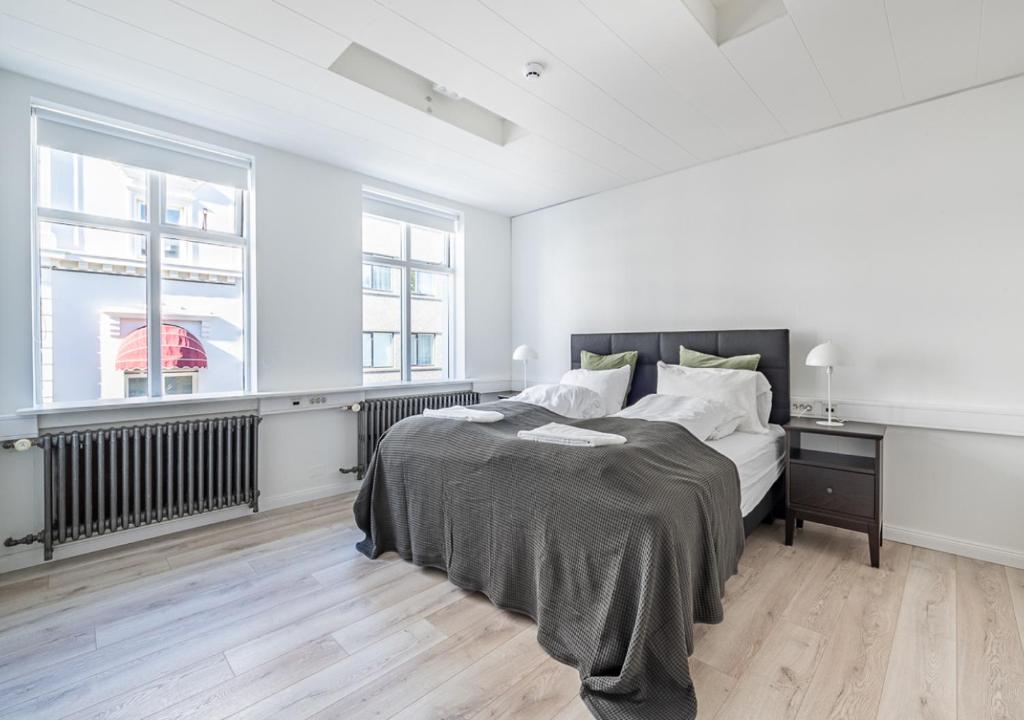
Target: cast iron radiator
376,416
99,481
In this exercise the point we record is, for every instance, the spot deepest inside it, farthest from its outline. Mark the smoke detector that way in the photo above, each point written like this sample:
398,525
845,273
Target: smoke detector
533,70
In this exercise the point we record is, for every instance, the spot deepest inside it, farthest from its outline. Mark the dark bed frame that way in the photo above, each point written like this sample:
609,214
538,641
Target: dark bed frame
773,346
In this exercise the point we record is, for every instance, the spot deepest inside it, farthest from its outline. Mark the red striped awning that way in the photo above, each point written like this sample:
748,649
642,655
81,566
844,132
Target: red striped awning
178,349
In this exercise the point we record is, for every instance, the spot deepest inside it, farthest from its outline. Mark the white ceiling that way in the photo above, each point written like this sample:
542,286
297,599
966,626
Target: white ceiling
633,88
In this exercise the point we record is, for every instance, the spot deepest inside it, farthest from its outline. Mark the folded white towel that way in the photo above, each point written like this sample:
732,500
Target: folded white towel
569,435
458,412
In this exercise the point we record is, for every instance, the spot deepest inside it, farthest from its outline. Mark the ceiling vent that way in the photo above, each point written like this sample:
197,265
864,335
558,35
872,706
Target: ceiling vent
442,101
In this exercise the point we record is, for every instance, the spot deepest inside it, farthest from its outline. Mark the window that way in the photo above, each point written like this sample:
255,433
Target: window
407,291
137,231
425,284
379,350
423,349
380,278
186,383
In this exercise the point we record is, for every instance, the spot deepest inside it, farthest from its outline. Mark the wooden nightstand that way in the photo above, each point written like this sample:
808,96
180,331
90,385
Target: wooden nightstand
834,488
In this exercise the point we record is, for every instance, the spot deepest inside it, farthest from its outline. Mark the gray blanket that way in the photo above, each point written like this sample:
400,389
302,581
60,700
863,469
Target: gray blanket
614,551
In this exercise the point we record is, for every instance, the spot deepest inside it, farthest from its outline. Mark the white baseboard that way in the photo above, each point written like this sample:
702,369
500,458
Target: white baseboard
33,554
955,546
272,502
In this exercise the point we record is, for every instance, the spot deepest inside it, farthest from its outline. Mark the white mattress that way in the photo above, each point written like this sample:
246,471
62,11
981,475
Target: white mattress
759,459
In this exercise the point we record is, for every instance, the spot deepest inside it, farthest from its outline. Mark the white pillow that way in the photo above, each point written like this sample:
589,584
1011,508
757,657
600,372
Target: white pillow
733,387
574,401
764,403
706,419
611,385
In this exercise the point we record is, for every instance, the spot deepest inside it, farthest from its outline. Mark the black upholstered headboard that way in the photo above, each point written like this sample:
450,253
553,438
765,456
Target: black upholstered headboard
773,345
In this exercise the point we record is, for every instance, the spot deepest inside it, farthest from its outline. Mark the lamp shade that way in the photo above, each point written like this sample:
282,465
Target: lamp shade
824,355
524,352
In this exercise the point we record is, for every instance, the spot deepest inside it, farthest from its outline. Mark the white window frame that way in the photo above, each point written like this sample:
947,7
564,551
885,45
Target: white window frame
153,229
406,265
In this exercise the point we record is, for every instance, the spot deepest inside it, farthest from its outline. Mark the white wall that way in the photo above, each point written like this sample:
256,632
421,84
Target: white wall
901,237
308,290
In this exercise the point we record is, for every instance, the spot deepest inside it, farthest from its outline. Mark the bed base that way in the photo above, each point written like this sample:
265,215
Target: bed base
772,505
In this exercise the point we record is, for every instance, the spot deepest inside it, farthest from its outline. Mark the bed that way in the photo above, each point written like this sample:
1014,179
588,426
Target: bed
615,552
758,458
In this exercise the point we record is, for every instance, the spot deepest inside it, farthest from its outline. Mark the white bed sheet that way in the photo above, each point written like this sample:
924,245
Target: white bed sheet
759,459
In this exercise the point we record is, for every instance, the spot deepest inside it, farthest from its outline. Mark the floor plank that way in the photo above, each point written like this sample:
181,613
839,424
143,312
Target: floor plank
349,604
712,688
820,599
1015,578
253,686
848,682
778,677
990,660
538,696
574,710
920,683
494,674
328,686
755,605
415,678
161,692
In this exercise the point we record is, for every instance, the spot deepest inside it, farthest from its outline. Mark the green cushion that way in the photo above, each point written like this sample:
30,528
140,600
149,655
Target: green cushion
593,361
694,359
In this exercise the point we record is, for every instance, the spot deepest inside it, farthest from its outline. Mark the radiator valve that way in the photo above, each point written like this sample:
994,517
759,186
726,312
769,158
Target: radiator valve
20,445
27,540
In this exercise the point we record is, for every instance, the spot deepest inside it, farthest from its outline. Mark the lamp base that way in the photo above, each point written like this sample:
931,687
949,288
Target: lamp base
830,423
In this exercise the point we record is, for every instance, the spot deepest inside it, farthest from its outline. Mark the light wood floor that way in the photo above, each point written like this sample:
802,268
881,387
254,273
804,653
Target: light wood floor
277,616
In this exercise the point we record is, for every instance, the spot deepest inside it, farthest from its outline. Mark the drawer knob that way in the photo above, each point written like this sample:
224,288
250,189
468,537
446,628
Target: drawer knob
828,490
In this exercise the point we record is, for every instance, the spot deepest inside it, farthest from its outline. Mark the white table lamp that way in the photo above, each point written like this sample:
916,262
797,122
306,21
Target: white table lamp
524,353
826,355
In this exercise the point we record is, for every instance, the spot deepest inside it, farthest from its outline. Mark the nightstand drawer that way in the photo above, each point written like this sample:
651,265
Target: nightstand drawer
837,491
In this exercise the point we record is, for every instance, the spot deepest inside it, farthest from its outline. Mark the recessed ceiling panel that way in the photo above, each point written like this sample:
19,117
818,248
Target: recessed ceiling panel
376,72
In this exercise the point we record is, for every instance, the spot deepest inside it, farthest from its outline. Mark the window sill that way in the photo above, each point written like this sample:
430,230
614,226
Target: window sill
57,408
119,405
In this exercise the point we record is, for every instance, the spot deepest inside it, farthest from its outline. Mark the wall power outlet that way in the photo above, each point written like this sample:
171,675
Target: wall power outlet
821,408
812,408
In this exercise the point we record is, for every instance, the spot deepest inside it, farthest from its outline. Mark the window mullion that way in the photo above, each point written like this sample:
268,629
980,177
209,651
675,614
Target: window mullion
154,256
406,305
